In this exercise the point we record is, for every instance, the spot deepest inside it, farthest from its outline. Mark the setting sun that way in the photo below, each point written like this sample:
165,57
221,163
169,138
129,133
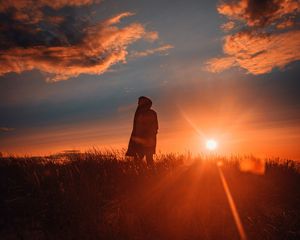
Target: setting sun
211,144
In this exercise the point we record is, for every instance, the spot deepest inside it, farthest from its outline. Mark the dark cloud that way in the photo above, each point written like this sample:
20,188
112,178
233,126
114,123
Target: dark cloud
267,36
40,35
259,12
32,11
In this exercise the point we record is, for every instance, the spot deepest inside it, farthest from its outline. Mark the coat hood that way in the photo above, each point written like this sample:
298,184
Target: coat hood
144,102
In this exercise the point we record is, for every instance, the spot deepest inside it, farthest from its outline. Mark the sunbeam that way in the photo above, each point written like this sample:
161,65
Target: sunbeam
232,206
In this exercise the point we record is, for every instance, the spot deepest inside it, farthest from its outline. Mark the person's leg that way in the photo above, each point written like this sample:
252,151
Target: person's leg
138,159
149,159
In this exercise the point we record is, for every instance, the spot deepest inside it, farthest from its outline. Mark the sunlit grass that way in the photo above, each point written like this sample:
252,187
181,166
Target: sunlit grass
103,195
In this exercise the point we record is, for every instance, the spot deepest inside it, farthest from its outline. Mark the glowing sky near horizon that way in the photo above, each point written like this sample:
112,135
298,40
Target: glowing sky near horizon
71,73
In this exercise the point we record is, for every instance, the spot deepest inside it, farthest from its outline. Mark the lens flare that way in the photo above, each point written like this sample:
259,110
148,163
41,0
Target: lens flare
211,144
232,206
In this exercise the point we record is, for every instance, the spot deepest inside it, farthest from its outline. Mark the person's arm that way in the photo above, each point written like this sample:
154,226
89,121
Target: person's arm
155,122
134,122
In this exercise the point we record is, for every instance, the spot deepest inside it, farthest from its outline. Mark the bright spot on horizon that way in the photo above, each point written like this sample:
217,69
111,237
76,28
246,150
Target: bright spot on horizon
211,144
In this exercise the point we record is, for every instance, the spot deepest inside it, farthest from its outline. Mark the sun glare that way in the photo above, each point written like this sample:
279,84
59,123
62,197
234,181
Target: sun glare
211,144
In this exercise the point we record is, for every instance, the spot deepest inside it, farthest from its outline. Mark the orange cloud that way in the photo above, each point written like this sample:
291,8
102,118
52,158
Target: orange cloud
151,36
102,46
258,54
285,24
220,64
259,47
117,18
258,12
228,26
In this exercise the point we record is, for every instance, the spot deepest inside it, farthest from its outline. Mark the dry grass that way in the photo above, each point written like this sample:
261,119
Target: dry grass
101,195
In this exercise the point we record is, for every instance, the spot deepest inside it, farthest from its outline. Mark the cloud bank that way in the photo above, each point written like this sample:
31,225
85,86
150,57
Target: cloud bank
41,35
265,37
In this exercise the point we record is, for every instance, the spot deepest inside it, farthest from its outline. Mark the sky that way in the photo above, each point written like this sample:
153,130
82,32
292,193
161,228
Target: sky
71,72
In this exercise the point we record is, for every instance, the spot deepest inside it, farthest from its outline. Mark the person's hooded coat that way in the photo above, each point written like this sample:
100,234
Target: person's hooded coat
145,126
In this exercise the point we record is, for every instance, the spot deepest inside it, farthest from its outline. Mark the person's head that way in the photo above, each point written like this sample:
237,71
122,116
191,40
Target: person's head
144,102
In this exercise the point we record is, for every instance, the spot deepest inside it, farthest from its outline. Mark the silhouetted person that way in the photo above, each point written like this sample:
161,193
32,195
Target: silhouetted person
143,137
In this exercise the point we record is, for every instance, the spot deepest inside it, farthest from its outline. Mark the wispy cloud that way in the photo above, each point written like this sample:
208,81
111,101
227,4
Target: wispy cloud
220,64
228,26
267,37
63,46
162,50
6,129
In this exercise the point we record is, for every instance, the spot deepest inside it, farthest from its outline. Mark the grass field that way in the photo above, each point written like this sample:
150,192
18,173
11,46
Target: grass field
99,195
